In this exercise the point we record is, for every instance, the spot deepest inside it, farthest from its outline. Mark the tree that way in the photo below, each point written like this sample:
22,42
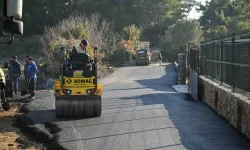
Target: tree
150,15
179,34
224,17
132,33
184,32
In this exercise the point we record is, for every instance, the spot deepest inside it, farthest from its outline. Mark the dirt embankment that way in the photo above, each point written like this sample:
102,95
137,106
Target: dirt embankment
11,138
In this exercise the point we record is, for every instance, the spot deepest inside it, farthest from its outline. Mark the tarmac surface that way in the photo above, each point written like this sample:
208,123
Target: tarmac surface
142,111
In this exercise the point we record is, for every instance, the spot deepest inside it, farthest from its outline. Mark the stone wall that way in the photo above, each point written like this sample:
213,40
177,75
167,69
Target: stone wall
234,107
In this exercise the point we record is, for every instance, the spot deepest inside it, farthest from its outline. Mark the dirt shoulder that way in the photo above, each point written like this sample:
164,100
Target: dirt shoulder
11,138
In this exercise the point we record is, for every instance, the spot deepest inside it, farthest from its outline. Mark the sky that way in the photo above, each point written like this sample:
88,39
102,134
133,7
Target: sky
194,14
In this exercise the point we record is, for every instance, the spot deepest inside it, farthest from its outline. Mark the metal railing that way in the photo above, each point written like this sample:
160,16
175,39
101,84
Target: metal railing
227,61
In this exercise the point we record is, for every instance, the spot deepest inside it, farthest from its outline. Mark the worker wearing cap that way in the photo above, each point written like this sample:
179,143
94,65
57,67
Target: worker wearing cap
31,76
82,47
15,72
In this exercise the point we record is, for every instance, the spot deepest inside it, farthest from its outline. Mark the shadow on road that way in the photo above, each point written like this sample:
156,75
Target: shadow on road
195,122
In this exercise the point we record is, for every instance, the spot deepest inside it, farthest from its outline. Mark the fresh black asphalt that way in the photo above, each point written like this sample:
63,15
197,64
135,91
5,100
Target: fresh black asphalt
142,111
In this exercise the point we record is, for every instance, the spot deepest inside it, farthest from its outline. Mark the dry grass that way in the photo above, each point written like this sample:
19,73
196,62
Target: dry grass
9,133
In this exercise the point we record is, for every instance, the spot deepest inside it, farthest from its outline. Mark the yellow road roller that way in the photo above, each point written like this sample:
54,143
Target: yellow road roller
143,57
77,92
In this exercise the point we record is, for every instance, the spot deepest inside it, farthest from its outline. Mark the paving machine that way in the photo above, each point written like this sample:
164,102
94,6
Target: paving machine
77,92
143,55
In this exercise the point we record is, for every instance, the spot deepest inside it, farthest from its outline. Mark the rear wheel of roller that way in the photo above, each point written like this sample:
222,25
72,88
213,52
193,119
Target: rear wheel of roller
79,108
88,108
59,108
68,108
98,108
93,108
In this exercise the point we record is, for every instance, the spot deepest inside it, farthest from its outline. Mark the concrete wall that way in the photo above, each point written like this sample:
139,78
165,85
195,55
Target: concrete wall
235,108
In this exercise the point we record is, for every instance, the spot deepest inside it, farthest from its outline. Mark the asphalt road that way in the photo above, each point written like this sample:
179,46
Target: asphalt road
142,111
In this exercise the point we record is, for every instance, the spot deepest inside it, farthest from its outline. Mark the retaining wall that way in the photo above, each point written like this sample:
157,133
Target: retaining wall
234,107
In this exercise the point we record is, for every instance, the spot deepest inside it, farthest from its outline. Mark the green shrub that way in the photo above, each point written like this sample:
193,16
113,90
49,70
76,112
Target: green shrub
79,31
133,34
121,56
129,55
69,32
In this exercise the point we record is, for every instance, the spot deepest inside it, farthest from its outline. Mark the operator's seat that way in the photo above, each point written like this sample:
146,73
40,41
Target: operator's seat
79,61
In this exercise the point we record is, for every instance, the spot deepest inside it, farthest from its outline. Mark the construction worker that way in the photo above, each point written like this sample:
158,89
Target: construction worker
31,76
159,58
2,85
25,67
15,72
84,43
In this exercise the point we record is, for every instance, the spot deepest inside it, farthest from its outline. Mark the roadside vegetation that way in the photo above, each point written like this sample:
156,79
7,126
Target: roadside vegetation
107,24
115,27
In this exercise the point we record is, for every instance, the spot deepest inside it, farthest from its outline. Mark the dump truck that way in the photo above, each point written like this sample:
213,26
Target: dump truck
143,55
77,92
